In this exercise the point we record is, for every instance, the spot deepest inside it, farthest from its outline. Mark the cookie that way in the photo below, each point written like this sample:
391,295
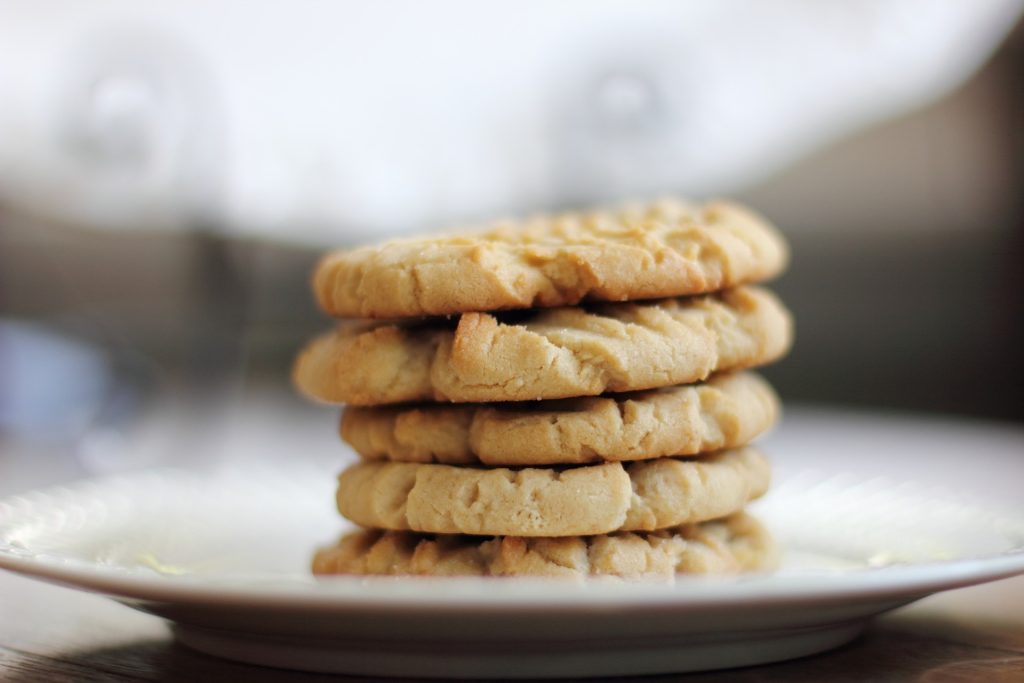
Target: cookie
663,249
728,410
595,499
726,546
549,353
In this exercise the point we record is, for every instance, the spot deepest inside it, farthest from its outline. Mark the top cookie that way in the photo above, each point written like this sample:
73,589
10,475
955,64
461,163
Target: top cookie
663,249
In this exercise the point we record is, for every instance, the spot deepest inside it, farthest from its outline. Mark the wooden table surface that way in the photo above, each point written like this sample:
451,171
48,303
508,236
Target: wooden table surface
54,634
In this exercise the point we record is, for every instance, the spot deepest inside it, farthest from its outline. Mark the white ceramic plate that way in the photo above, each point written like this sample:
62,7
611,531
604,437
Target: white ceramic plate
224,555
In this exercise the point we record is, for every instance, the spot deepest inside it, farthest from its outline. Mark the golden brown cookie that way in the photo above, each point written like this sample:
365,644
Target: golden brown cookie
726,411
726,546
596,499
662,249
550,353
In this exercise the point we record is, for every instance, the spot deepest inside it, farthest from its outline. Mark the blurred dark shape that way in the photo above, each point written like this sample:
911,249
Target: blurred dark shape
907,280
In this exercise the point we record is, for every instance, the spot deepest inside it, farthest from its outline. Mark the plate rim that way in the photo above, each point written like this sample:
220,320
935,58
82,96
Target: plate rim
352,593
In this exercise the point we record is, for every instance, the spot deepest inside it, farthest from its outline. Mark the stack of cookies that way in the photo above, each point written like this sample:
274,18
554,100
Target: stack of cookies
564,396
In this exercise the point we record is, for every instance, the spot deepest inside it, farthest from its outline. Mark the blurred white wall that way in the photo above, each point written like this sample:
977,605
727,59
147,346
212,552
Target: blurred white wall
326,122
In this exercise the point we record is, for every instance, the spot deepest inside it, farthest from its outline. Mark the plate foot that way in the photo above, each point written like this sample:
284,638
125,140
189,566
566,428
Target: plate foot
555,658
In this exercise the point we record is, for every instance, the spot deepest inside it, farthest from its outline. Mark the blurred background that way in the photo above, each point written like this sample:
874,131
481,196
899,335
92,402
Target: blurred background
169,172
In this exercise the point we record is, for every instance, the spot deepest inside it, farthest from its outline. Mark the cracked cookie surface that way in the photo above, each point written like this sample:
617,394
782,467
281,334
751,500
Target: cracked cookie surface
726,411
644,251
725,546
549,353
641,496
